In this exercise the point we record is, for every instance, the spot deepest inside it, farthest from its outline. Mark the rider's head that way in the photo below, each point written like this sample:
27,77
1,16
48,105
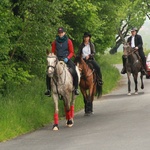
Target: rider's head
86,37
134,31
61,32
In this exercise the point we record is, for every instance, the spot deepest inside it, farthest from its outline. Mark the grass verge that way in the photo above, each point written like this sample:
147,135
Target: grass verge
26,108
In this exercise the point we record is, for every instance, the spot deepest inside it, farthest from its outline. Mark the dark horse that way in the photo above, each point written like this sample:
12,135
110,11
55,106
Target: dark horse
133,66
88,84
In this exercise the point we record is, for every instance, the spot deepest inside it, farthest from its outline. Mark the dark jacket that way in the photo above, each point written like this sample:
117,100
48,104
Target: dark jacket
79,53
138,43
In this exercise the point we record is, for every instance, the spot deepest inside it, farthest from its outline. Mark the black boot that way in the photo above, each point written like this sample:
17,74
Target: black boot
144,72
123,71
76,92
48,84
75,83
48,93
99,79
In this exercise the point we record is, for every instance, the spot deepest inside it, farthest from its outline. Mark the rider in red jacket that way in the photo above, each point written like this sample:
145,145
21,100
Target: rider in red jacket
63,48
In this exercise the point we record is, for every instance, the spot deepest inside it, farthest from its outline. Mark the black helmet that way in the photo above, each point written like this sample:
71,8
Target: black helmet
86,34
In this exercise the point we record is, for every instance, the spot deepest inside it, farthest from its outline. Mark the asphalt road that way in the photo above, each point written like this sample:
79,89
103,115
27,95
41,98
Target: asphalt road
119,122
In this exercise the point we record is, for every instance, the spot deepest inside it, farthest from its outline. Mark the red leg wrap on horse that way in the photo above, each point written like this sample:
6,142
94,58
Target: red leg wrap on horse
55,118
72,111
68,115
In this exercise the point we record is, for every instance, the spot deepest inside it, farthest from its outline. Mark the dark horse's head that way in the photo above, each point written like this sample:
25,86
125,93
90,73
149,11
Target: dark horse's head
127,49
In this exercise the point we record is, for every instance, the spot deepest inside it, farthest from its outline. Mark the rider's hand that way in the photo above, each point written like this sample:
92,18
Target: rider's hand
66,60
136,48
87,57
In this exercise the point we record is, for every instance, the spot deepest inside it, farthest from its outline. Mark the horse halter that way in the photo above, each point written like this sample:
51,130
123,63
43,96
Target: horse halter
51,66
128,49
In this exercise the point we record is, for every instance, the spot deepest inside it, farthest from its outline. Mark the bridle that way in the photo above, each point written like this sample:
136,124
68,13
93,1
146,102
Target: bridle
54,80
50,66
83,73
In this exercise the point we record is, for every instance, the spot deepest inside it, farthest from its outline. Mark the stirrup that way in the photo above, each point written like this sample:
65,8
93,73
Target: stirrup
144,72
76,92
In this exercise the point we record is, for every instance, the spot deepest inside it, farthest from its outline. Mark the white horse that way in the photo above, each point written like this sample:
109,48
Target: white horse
62,86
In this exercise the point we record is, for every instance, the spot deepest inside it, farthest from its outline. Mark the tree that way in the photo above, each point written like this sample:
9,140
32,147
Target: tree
135,17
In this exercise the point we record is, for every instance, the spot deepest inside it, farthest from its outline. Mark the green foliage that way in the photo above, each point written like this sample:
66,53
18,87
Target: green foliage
28,27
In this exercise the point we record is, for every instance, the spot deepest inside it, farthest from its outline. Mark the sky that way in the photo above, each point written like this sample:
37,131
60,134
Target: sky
145,33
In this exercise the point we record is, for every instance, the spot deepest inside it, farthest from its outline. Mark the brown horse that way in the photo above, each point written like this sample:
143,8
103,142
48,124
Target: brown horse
133,66
88,84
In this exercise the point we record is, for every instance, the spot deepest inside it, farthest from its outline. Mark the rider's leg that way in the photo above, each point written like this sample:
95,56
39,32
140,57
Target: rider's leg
98,71
123,71
143,59
48,84
71,65
144,64
75,82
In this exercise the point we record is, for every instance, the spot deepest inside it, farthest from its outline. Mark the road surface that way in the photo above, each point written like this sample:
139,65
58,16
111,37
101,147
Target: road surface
119,122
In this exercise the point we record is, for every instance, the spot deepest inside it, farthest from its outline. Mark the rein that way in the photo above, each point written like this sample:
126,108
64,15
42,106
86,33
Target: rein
87,67
131,52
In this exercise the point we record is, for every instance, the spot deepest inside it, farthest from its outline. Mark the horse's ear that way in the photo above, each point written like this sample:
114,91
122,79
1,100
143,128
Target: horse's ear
47,51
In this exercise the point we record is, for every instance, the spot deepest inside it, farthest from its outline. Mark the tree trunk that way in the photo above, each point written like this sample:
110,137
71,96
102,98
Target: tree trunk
114,49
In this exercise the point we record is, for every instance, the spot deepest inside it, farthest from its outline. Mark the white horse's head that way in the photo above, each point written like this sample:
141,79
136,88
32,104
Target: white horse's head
51,64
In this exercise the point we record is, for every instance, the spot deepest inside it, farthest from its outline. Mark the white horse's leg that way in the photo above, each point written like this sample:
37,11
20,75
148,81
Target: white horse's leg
56,117
68,108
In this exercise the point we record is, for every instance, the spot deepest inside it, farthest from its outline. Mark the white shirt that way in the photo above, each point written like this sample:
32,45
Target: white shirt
86,51
133,41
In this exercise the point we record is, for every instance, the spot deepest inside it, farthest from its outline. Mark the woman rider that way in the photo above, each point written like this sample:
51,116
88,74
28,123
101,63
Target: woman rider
87,51
63,48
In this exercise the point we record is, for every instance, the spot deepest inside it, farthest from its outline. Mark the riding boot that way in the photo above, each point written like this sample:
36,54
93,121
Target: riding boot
99,79
75,83
143,62
144,68
48,84
123,71
98,72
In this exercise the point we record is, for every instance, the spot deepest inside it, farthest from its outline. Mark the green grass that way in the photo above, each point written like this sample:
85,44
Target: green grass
26,108
110,74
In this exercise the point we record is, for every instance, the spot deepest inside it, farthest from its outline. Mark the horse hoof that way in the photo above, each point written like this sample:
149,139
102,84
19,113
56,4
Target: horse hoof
55,127
136,93
88,113
69,123
129,94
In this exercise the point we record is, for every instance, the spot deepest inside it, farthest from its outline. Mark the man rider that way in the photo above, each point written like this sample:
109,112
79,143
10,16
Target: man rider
135,41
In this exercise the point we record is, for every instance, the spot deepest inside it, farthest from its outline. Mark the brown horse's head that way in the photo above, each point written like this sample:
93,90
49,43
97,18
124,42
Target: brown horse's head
79,62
